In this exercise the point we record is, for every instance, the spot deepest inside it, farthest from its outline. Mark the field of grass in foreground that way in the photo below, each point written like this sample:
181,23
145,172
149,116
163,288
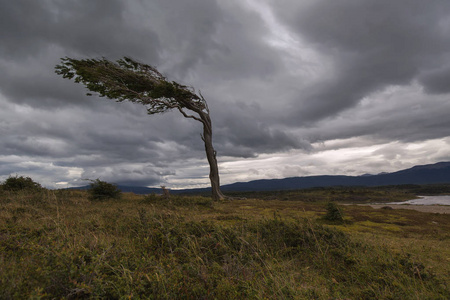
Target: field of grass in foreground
57,244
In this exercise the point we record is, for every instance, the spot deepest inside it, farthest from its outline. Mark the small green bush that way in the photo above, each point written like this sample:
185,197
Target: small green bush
333,213
20,183
102,190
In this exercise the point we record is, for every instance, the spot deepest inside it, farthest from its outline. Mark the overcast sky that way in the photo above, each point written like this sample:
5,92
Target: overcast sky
295,88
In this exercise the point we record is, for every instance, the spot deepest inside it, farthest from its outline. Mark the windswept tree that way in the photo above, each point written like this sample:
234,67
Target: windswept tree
129,80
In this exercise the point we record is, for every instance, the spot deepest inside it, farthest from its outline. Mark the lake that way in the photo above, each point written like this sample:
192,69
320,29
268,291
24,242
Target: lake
427,200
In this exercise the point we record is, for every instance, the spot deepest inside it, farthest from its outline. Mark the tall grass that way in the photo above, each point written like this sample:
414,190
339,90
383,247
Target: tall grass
60,245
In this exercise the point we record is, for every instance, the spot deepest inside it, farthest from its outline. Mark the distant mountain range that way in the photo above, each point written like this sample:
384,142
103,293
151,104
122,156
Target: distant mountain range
425,174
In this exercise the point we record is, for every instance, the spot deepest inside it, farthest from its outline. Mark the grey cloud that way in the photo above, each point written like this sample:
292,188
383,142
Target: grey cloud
391,152
21,27
436,81
94,28
372,44
240,35
96,139
262,100
216,44
32,82
35,34
122,174
245,133
43,171
204,35
403,115
186,31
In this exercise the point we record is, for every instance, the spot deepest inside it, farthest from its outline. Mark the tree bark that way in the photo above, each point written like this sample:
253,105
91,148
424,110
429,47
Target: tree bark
211,156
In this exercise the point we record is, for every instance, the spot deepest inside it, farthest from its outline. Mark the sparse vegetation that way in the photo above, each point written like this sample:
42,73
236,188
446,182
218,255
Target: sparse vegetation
101,190
65,246
176,200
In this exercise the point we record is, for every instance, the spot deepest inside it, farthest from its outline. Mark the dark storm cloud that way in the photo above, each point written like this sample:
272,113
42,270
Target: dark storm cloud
94,28
279,76
371,44
437,81
401,114
186,30
246,134
239,35
31,30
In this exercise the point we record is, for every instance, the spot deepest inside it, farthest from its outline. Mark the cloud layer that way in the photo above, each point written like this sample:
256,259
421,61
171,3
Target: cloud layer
295,88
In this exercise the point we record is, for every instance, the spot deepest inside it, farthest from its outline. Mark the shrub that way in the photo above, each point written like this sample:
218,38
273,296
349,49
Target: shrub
102,190
333,212
20,183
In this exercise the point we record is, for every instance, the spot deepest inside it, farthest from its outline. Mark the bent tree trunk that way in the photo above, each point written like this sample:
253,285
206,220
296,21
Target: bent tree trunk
211,156
129,80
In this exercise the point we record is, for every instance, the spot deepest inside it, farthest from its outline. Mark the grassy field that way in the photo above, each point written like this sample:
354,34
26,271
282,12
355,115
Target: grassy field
60,245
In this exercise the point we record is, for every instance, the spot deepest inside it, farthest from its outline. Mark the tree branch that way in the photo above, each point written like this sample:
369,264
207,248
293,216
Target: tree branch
189,116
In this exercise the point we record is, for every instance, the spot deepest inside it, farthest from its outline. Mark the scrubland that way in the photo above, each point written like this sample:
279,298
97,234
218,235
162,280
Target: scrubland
61,245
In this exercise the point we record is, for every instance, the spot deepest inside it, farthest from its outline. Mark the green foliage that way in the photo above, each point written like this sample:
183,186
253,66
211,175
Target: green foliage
129,80
20,183
333,212
102,190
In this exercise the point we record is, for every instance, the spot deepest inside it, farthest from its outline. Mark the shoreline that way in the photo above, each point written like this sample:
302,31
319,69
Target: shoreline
439,209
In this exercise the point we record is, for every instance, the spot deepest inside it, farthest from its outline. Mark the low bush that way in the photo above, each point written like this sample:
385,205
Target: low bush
102,190
20,183
333,213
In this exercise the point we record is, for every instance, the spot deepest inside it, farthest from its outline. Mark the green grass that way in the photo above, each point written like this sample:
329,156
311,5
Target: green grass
57,244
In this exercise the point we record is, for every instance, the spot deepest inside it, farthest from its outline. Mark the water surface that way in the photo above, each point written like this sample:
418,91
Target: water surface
427,200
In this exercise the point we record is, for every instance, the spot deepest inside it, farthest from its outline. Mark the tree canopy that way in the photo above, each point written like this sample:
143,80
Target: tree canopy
129,80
